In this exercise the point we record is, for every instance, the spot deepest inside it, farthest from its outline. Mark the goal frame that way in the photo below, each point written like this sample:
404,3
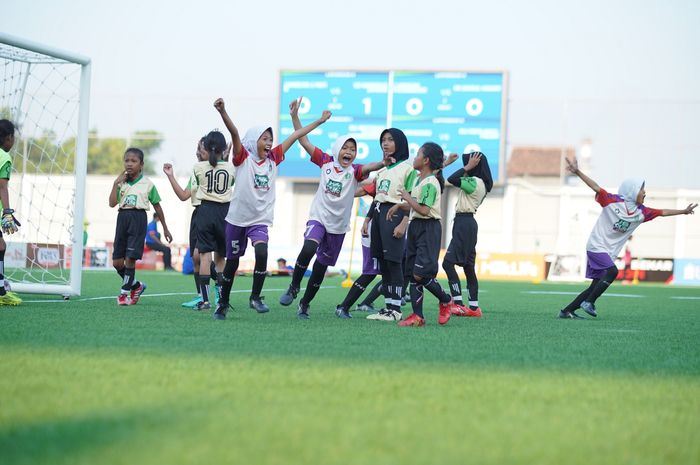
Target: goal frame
73,288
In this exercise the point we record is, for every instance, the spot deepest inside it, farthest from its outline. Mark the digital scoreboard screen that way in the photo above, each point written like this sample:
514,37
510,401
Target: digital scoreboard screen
461,111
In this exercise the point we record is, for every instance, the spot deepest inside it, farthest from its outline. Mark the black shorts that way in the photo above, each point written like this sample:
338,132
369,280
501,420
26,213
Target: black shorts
462,248
383,244
193,231
130,234
211,227
423,247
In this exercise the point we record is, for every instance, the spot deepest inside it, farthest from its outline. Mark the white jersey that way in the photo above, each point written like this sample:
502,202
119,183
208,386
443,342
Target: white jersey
332,204
616,224
253,199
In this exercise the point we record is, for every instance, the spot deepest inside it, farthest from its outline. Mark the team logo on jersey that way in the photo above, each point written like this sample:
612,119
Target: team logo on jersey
262,181
383,187
347,176
334,188
129,201
622,226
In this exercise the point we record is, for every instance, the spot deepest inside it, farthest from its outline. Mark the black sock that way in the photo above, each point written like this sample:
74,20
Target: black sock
3,291
417,298
212,268
227,280
436,289
602,286
393,278
128,280
260,271
317,274
358,287
204,287
576,303
453,281
303,260
472,281
196,282
120,272
373,294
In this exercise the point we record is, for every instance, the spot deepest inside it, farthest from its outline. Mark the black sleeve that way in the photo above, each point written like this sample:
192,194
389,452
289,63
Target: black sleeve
455,178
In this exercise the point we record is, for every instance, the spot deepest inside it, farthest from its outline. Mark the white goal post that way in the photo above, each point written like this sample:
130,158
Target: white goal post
45,92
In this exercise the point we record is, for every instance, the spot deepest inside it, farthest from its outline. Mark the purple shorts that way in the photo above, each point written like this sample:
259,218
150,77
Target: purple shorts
329,245
597,263
369,265
237,238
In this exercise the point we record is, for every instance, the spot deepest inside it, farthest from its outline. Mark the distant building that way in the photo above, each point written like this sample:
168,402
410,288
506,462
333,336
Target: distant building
539,164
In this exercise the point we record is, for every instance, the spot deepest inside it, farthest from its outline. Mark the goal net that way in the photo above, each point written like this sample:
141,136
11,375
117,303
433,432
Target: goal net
45,92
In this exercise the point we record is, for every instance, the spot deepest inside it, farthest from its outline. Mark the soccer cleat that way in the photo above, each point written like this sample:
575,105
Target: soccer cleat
412,320
473,312
385,315
589,308
202,306
342,313
123,299
570,315
369,308
10,298
136,293
193,303
259,305
458,310
303,311
288,297
444,315
220,313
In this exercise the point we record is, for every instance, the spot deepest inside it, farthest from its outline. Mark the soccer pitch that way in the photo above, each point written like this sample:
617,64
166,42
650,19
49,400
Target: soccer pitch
85,381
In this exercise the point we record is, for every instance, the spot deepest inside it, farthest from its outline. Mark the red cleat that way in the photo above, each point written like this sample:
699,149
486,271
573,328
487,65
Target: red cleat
136,293
458,310
445,312
412,320
473,313
123,299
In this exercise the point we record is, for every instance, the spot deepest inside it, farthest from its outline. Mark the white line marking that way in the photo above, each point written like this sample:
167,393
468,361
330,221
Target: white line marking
684,297
608,294
164,294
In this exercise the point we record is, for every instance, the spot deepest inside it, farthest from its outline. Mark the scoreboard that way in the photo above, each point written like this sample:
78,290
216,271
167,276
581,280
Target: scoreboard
461,111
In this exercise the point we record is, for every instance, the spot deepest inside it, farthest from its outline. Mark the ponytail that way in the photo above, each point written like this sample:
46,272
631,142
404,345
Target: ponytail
215,144
435,156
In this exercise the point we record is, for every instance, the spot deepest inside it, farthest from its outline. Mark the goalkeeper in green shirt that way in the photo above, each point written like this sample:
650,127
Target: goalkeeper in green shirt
9,222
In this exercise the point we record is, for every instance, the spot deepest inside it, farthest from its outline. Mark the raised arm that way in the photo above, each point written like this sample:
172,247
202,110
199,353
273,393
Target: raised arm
235,137
181,193
456,178
304,141
689,210
299,133
572,166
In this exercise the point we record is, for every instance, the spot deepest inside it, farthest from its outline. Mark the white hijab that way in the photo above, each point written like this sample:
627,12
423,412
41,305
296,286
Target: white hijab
629,189
250,140
337,145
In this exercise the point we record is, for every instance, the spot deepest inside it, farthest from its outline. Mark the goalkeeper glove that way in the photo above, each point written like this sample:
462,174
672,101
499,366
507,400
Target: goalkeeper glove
9,223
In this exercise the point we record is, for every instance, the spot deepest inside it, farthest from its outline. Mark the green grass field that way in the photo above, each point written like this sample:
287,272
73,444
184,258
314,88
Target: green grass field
87,382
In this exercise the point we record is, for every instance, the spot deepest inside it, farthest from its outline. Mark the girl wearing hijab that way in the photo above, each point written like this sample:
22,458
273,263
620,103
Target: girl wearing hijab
253,204
329,218
388,230
474,181
622,214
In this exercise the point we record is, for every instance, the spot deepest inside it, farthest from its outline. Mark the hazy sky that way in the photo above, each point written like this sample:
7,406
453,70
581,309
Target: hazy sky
623,74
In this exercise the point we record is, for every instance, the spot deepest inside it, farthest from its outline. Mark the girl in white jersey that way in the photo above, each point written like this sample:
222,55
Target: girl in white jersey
622,214
329,218
253,203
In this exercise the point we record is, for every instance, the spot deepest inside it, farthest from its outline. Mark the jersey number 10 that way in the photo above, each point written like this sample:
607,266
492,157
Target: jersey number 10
217,181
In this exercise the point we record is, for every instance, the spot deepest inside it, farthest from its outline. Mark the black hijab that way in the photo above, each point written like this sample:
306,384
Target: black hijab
400,142
481,170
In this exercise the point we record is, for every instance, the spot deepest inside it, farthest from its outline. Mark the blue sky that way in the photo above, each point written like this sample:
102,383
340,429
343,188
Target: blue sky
620,73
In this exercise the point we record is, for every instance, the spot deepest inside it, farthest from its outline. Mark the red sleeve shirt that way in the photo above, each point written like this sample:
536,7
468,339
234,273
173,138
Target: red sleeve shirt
650,213
240,157
320,158
358,173
371,188
604,198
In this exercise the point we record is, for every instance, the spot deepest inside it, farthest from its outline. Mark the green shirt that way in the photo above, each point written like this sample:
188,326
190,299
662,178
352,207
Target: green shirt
137,194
